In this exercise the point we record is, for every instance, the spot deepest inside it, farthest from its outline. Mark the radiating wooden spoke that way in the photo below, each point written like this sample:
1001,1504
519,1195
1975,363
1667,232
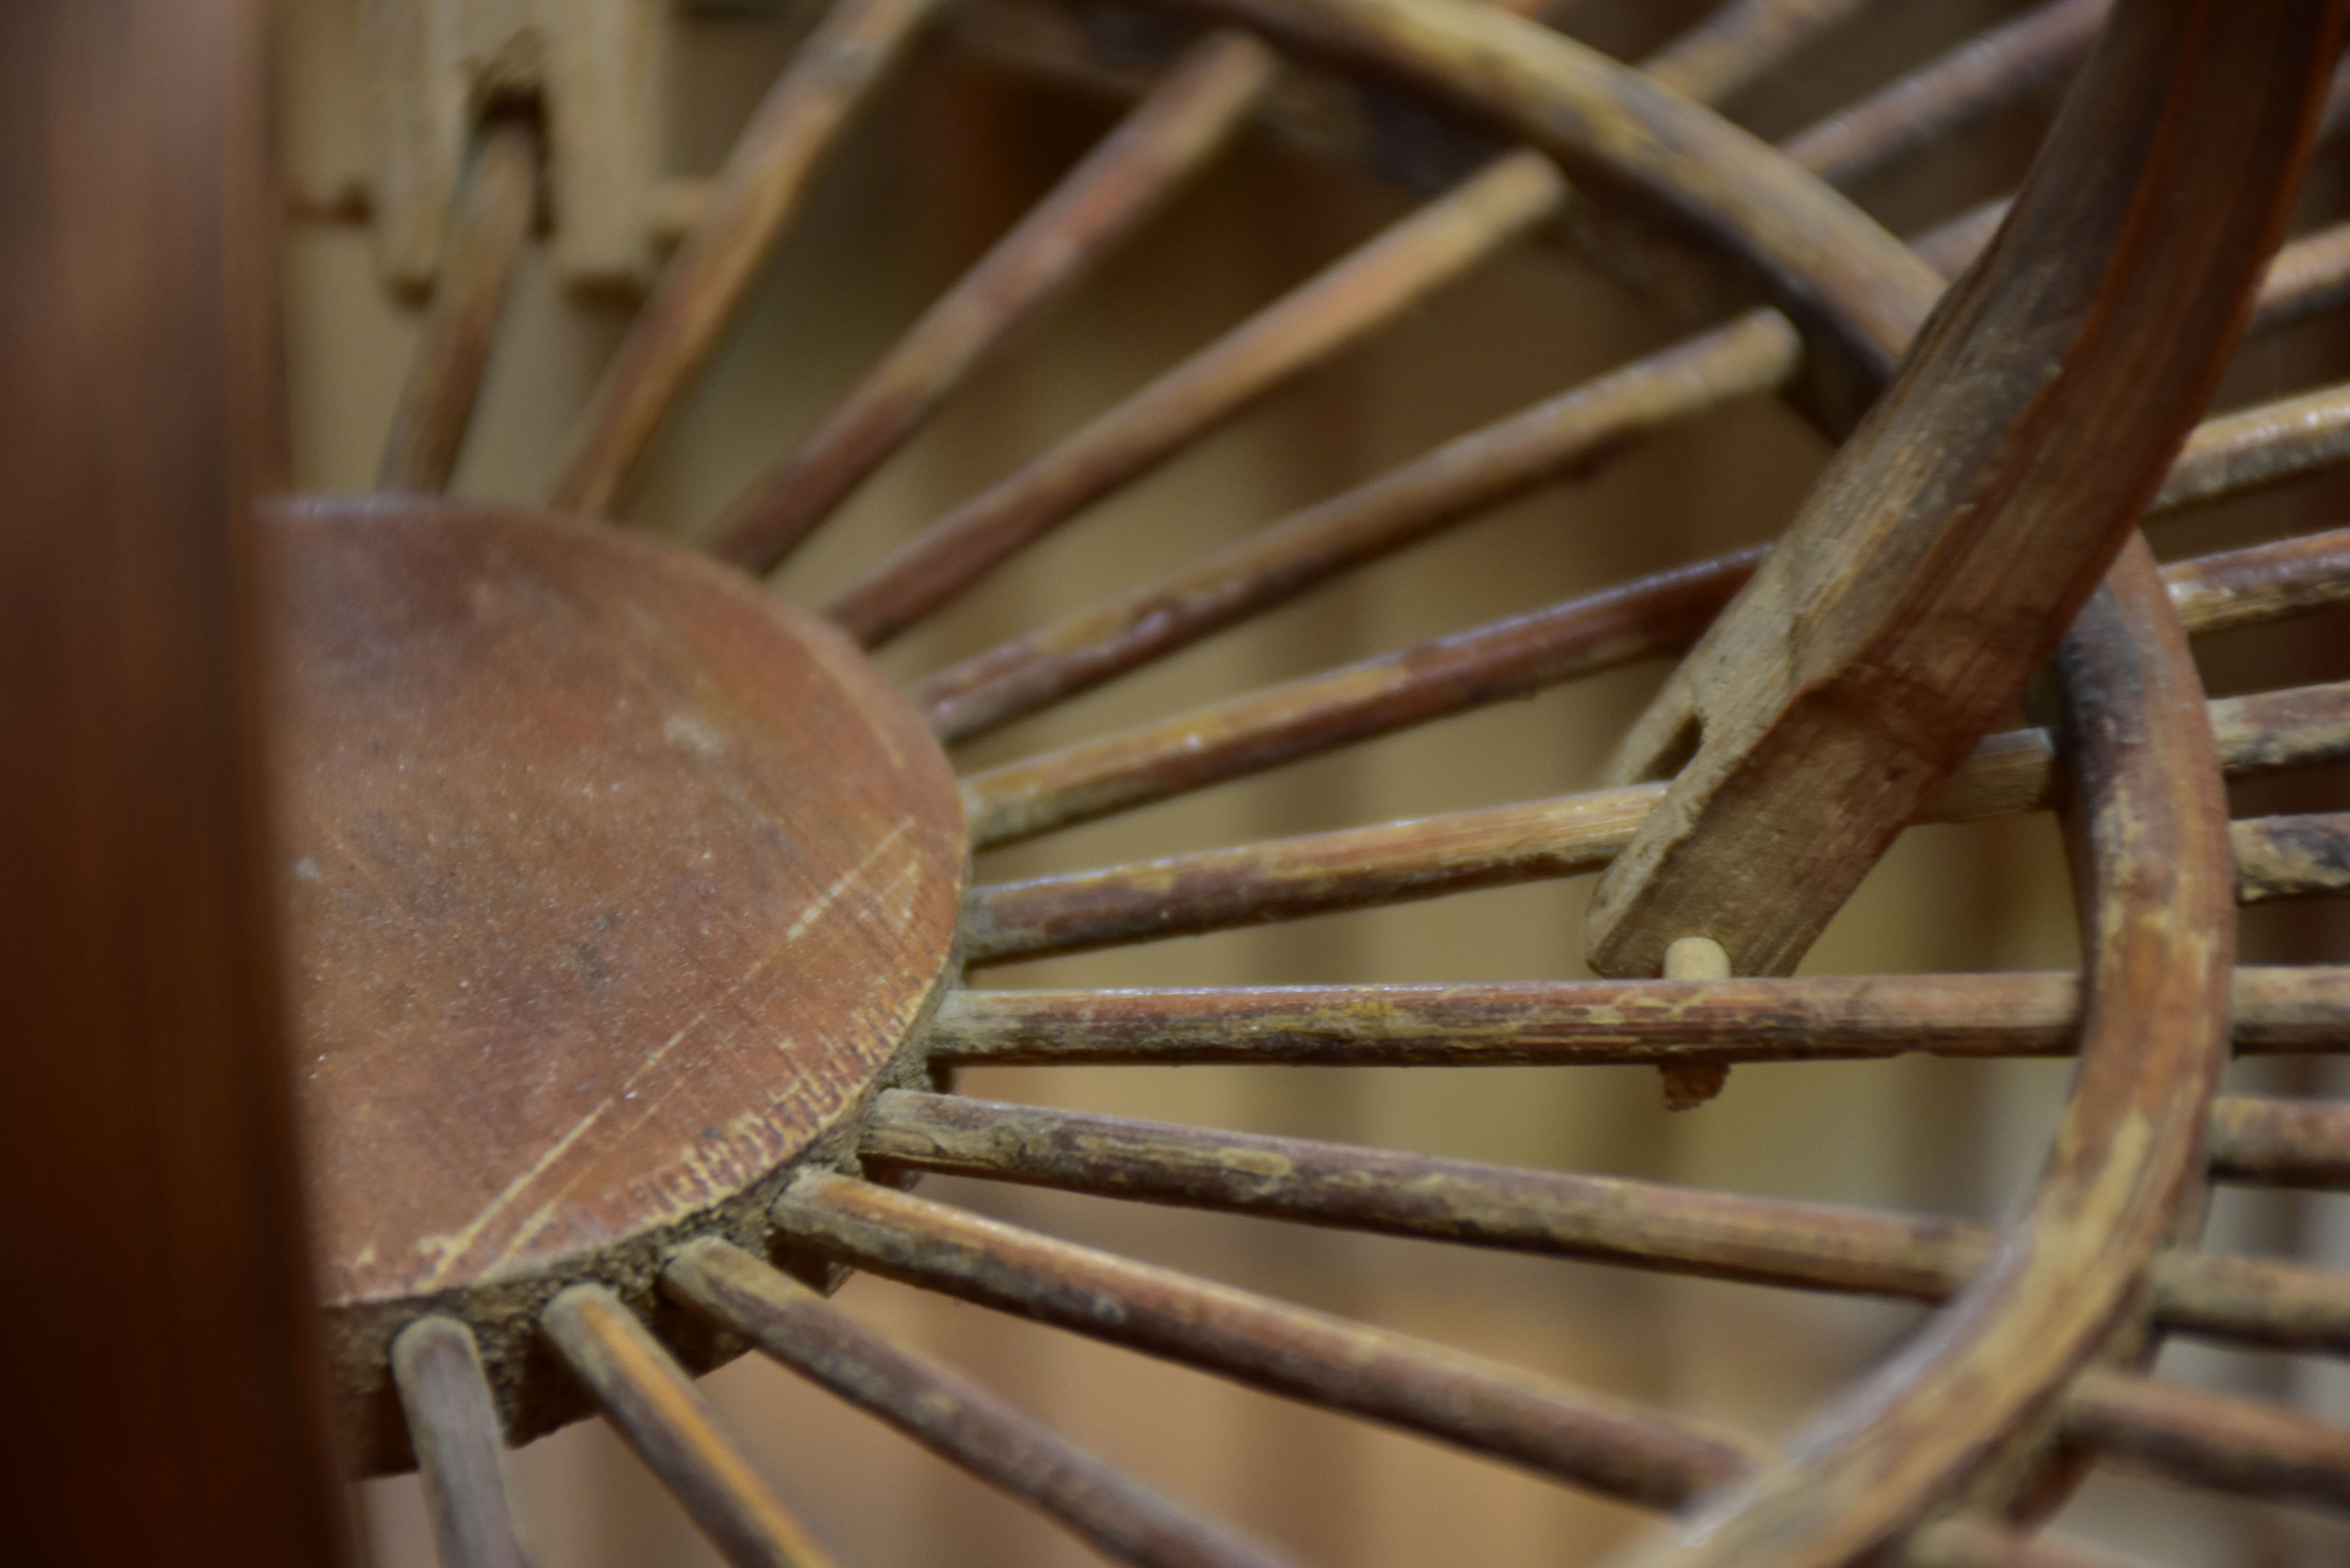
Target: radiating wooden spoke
1594,1440
1472,474
2004,64
1510,659
493,211
764,181
2281,1143
1183,122
1432,857
1355,295
966,1424
672,1427
453,1425
2281,1011
2210,1439
2303,857
1361,291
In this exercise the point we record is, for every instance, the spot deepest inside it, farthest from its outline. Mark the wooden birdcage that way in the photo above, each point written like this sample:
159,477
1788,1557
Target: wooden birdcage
626,913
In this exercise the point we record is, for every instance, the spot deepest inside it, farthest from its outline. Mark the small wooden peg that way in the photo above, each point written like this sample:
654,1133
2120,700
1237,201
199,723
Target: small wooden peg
1689,1085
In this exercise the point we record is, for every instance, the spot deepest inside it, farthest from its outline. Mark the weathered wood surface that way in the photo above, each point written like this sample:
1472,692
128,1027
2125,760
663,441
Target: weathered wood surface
1513,657
2159,931
2276,1012
2281,1143
1593,1440
491,218
1567,435
2305,857
1943,554
2244,1447
656,1407
163,1392
1187,120
453,1425
1362,290
1121,1518
1454,852
764,181
661,872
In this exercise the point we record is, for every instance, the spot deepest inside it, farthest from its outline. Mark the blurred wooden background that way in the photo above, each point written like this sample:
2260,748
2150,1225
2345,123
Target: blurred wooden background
955,155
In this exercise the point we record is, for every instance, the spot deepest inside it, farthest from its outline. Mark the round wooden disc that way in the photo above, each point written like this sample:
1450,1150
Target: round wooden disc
613,886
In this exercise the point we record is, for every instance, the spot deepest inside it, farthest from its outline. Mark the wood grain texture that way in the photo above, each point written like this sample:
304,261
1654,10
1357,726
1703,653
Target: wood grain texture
1461,851
661,872
1572,1434
453,1425
1520,655
1945,550
2152,850
2303,857
1569,436
2208,1439
650,1399
2275,1011
764,180
491,218
1119,1517
1638,1224
164,1398
2281,1143
1364,289
1190,117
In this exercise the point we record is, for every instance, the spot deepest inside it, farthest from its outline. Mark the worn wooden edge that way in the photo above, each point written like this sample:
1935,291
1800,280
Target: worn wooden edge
452,1421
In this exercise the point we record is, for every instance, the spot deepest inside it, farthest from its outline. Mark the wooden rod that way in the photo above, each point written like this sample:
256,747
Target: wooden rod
1563,435
1632,1224
2278,1010
954,1418
1396,862
2208,1439
2305,857
1988,72
1512,658
491,218
1742,42
453,1425
1183,122
2281,1143
754,199
1591,1439
648,1395
2285,438
1361,291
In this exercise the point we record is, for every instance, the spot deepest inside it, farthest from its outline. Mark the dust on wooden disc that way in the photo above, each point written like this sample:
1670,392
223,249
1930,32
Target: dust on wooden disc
612,886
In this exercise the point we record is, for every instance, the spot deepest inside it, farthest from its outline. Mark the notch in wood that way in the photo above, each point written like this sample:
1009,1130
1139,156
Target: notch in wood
1941,557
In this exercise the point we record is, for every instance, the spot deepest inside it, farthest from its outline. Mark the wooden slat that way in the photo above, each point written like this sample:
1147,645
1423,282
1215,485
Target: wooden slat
2281,1143
655,1406
162,1377
756,193
453,1425
2277,1012
1943,554
491,215
2305,857
1182,124
1512,658
1319,873
1591,1439
2212,1440
2008,62
1562,435
1123,1519
1632,1224
1362,290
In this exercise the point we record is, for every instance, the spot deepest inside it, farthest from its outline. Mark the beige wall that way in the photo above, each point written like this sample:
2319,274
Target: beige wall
952,159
